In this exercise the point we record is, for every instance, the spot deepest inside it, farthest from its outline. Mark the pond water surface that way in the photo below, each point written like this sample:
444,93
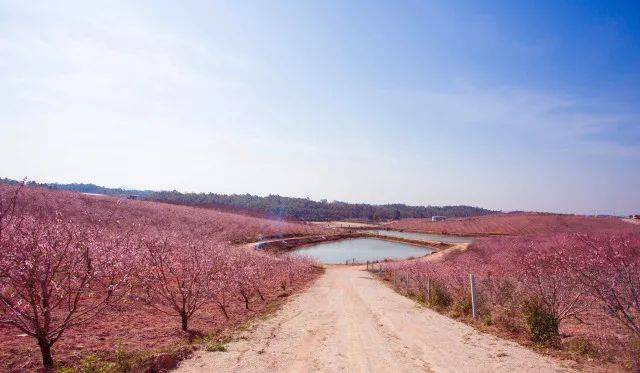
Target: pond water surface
362,250
425,236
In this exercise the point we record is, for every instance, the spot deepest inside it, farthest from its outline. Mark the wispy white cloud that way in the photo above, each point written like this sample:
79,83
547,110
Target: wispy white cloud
552,119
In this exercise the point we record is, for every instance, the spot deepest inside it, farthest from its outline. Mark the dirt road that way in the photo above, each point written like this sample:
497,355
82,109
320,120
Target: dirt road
350,321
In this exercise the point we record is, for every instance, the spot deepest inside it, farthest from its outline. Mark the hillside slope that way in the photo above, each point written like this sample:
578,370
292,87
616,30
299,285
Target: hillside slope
515,224
107,241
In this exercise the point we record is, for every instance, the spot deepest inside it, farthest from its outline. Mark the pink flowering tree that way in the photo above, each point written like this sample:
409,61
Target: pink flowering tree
609,267
178,275
54,275
542,274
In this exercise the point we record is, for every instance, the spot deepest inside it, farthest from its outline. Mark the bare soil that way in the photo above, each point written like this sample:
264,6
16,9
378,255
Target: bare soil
350,321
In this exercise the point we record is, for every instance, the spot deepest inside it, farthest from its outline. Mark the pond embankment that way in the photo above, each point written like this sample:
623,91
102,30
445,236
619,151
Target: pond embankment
289,244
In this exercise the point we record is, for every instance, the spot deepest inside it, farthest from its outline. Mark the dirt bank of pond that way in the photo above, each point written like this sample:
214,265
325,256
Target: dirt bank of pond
289,244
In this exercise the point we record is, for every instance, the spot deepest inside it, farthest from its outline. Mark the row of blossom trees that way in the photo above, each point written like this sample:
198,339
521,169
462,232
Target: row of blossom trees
589,280
66,259
515,224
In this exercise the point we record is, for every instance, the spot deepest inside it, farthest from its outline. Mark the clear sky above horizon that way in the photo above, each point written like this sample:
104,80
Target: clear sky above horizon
506,106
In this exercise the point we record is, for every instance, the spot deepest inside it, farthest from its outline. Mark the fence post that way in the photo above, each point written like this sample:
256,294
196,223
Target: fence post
406,282
472,282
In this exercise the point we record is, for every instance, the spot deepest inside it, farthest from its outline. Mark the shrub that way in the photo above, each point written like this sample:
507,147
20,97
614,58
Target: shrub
438,297
508,319
487,320
582,346
123,360
463,306
93,364
542,324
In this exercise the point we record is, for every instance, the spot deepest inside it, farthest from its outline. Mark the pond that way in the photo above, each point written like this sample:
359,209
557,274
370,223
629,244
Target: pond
425,236
362,250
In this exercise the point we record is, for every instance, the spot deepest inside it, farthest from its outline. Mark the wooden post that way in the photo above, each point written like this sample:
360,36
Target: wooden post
406,282
472,282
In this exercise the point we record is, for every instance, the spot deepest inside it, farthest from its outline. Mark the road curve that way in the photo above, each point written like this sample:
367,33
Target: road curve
350,321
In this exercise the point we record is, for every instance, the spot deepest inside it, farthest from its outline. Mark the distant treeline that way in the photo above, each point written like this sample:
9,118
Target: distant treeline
86,188
306,209
279,207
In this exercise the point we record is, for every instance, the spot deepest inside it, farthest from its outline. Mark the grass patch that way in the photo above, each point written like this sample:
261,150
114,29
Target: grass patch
215,347
212,344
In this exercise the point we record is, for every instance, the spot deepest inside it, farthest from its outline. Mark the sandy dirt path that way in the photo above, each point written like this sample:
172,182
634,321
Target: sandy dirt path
350,321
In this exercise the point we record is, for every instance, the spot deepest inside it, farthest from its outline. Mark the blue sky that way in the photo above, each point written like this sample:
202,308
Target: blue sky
506,106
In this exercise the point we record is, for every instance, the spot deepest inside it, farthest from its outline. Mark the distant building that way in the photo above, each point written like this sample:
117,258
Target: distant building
133,196
438,218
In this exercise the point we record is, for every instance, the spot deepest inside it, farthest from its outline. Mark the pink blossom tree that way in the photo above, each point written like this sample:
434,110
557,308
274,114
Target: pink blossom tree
609,267
541,272
54,275
177,276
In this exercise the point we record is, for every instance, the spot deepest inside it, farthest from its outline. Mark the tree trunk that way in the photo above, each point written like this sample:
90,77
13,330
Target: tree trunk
260,294
47,359
224,310
246,300
185,320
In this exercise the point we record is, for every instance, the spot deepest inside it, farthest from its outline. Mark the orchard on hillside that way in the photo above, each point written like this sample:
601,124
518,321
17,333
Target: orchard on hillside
73,264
